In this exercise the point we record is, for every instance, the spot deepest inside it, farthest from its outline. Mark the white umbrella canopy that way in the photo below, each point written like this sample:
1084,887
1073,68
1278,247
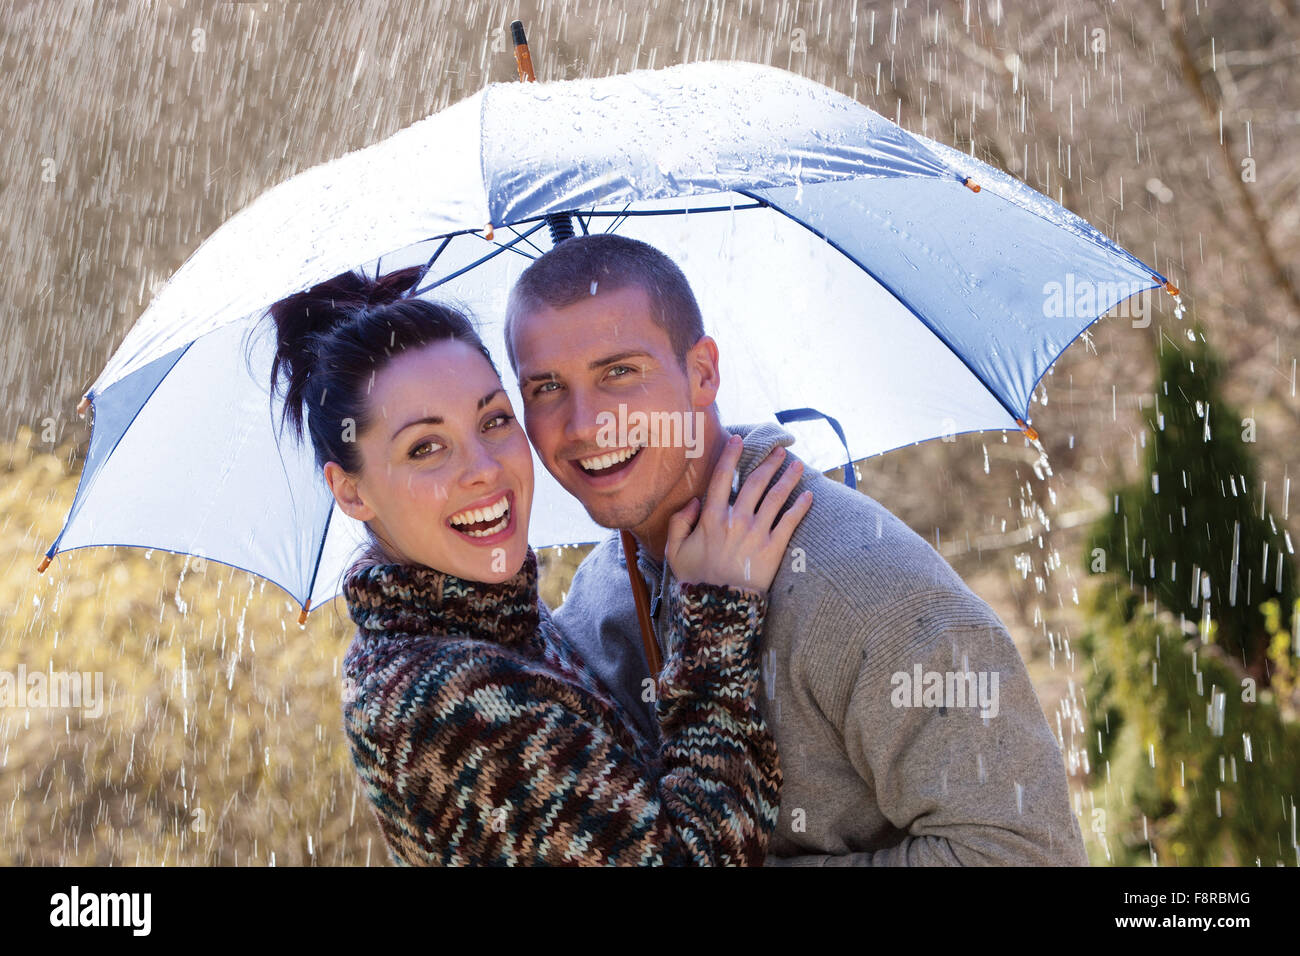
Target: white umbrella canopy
842,263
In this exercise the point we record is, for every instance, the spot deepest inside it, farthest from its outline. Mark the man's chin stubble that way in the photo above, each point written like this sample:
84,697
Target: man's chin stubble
620,517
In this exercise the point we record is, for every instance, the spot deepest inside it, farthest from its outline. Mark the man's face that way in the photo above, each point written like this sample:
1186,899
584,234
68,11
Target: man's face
605,354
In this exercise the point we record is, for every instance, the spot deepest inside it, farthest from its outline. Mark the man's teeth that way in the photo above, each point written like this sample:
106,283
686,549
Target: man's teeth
607,460
477,515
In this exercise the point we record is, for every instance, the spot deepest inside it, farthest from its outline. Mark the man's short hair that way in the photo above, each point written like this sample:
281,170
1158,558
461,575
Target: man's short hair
566,274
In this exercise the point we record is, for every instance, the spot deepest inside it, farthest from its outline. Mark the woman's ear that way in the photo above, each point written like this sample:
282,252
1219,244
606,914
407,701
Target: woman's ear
702,370
346,492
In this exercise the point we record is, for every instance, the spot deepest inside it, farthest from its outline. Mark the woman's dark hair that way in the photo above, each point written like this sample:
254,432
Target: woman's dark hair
334,338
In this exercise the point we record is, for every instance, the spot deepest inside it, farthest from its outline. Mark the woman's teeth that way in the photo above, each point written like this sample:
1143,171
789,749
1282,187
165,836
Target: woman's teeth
499,526
481,522
607,460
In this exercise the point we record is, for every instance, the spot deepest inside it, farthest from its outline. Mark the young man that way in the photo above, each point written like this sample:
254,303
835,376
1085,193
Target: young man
908,730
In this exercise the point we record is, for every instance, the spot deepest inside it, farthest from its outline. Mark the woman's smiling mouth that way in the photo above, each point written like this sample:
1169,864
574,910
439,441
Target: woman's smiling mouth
486,521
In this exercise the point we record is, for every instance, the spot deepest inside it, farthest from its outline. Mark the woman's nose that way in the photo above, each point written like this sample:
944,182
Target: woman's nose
482,465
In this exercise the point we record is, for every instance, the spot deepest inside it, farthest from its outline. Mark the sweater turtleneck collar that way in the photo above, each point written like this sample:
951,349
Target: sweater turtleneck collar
387,599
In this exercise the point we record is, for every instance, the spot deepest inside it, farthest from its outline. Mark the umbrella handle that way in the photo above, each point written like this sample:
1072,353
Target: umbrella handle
641,596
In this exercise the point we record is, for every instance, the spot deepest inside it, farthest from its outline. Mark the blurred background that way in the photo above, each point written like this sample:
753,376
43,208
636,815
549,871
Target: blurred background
133,130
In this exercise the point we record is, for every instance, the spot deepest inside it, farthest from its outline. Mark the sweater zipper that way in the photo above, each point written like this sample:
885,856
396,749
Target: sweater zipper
656,606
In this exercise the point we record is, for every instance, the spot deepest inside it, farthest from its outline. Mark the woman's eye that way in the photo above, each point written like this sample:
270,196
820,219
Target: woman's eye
435,446
500,420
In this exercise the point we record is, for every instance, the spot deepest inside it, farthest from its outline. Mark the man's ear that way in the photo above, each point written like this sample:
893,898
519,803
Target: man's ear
702,370
346,492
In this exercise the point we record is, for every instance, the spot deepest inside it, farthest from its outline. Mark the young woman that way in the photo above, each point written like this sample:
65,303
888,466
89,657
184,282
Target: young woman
480,736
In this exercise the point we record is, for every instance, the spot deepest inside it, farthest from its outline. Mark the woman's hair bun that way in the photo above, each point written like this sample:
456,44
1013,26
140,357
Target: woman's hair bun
304,318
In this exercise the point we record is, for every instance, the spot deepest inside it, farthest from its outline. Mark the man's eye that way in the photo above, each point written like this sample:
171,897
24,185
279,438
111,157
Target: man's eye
545,387
621,371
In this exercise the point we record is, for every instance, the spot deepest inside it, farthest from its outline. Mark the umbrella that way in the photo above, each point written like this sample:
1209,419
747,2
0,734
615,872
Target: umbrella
870,286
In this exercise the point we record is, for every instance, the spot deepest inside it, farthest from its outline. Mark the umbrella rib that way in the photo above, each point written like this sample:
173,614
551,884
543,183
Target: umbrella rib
903,302
525,239
685,211
496,251
78,499
619,221
319,552
618,218
511,248
429,265
626,213
228,564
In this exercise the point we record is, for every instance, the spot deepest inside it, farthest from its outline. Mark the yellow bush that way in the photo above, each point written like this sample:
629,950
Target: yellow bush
220,740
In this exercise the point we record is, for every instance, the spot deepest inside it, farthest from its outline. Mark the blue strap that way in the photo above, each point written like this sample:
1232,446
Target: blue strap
811,415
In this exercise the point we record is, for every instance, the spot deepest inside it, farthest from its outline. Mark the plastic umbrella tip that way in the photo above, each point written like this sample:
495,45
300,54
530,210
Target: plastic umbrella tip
83,406
1029,430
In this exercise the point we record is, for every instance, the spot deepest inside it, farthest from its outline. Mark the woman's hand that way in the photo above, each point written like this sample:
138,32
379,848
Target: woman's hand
736,545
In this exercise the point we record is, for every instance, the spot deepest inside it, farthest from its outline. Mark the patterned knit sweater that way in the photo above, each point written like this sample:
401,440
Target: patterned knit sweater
482,738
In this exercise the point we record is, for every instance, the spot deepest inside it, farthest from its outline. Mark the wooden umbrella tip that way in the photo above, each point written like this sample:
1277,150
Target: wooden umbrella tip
45,563
971,184
523,59
302,617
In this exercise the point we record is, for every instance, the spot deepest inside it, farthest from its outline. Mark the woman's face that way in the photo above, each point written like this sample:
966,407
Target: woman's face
447,473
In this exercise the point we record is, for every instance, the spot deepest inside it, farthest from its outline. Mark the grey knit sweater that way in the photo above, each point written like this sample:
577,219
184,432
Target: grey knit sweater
908,731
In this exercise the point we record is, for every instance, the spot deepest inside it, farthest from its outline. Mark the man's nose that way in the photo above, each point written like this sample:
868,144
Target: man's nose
584,419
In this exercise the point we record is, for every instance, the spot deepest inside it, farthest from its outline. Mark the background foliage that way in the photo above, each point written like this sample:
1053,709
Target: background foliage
134,129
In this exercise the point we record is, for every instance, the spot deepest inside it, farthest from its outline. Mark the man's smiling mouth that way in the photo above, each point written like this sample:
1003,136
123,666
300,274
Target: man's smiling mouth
608,463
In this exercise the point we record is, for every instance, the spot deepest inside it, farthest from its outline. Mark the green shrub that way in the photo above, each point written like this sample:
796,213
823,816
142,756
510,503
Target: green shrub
1192,736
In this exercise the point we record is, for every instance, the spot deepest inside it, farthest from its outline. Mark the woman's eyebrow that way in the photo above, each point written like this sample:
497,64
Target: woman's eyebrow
426,420
437,419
